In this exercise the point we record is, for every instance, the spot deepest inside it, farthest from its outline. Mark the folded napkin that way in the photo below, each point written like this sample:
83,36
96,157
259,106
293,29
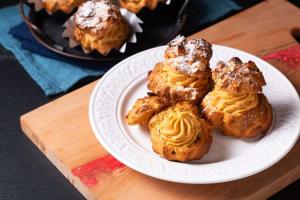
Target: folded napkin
28,42
53,73
56,74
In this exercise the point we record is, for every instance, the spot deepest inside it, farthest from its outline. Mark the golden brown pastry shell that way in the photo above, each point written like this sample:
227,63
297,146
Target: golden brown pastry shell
144,108
136,6
249,124
194,152
159,86
238,77
202,51
65,6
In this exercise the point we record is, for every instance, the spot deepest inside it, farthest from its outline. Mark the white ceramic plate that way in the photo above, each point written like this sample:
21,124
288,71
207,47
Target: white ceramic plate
228,159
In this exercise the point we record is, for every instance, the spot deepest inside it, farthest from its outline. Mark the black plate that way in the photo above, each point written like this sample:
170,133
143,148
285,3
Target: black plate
159,27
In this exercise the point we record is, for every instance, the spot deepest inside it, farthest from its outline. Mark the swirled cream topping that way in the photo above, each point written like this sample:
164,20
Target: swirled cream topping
233,103
175,78
176,127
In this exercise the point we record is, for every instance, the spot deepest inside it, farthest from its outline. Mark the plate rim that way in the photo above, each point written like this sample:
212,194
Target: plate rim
174,179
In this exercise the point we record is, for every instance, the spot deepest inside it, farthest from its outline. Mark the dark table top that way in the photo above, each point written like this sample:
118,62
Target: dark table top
25,173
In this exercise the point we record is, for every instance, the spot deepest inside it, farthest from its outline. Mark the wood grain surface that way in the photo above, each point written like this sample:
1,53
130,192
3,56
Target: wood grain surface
61,128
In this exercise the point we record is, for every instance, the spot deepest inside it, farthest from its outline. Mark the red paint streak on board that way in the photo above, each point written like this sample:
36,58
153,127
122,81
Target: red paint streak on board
90,172
290,56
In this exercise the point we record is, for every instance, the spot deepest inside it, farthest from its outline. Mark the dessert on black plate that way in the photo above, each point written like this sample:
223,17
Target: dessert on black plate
100,26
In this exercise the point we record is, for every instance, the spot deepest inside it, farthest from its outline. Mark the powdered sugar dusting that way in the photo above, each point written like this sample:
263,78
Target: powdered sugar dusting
177,40
182,64
93,14
196,49
194,93
188,56
237,74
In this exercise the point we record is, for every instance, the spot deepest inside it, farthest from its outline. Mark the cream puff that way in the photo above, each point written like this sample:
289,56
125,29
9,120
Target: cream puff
178,133
100,26
184,75
237,105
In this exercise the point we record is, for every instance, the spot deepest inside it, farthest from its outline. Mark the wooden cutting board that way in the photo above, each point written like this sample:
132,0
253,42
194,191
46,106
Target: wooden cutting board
61,128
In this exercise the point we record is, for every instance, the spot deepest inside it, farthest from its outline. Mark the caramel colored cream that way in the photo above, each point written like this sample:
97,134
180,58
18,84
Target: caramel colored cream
233,103
176,128
176,78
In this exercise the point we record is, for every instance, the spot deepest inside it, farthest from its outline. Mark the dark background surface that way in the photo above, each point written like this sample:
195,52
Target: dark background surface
25,173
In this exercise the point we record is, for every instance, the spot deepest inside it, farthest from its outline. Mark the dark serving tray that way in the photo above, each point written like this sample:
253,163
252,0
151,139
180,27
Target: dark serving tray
159,27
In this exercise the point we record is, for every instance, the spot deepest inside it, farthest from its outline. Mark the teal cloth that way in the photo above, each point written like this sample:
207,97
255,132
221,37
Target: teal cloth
52,76
203,12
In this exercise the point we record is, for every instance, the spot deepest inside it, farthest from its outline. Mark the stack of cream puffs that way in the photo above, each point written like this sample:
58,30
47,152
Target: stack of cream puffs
188,100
